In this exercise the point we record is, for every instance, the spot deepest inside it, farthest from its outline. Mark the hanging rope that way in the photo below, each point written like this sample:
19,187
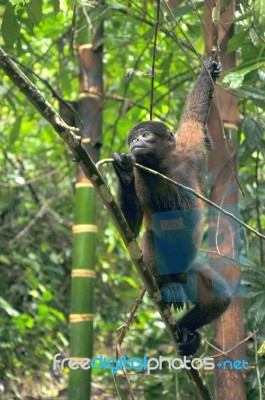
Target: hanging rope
153,61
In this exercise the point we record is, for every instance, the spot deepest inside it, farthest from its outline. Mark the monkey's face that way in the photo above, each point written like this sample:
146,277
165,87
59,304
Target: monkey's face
150,142
142,142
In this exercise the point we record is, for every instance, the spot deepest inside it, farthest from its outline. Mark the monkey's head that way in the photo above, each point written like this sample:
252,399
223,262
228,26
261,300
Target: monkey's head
151,142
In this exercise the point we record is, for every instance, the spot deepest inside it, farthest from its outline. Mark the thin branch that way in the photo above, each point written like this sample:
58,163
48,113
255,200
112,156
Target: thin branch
258,367
124,328
215,55
215,31
258,204
54,93
73,26
231,259
226,353
123,107
27,228
129,103
45,175
182,31
153,61
151,22
88,19
197,12
227,149
188,189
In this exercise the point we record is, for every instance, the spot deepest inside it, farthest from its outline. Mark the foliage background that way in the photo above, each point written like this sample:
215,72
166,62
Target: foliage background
37,175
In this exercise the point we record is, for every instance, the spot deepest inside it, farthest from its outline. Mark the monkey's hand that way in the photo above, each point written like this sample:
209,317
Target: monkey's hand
214,67
123,165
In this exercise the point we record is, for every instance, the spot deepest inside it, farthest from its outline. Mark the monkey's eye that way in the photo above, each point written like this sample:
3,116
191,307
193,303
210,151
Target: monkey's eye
145,134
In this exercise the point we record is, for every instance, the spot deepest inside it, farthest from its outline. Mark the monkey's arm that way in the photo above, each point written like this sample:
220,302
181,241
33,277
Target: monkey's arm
192,130
127,198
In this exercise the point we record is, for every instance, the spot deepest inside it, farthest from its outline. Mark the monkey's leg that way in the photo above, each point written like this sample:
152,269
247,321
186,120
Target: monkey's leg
207,306
168,283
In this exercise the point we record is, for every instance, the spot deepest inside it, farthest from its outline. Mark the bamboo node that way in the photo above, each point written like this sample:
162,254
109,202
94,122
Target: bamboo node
75,318
86,140
84,183
84,228
229,125
83,273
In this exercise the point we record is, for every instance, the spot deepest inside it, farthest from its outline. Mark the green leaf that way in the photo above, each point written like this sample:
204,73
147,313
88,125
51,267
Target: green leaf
234,79
47,295
15,131
34,293
10,27
34,9
8,308
261,350
180,11
252,93
116,6
259,11
242,17
131,282
236,41
253,133
4,259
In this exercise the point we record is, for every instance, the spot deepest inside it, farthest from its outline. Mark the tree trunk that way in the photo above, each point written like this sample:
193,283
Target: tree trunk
222,166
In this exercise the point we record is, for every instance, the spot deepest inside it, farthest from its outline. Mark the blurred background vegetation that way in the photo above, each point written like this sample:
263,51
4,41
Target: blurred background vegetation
37,184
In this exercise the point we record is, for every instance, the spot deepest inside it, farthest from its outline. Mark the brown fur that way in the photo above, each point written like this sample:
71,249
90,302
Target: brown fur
146,198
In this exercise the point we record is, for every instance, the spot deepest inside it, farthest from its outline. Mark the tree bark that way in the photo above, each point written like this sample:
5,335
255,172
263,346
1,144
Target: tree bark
222,167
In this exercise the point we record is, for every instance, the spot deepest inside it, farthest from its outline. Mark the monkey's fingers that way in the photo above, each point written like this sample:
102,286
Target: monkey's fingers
178,306
124,161
215,68
174,294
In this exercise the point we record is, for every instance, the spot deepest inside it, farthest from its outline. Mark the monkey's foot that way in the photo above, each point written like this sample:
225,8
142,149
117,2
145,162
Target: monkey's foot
189,342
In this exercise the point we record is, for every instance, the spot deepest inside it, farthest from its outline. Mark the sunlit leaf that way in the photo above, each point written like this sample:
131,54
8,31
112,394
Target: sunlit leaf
259,11
34,9
4,305
234,79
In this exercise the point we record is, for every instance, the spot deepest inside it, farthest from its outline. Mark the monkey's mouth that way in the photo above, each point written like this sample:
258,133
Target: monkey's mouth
137,149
